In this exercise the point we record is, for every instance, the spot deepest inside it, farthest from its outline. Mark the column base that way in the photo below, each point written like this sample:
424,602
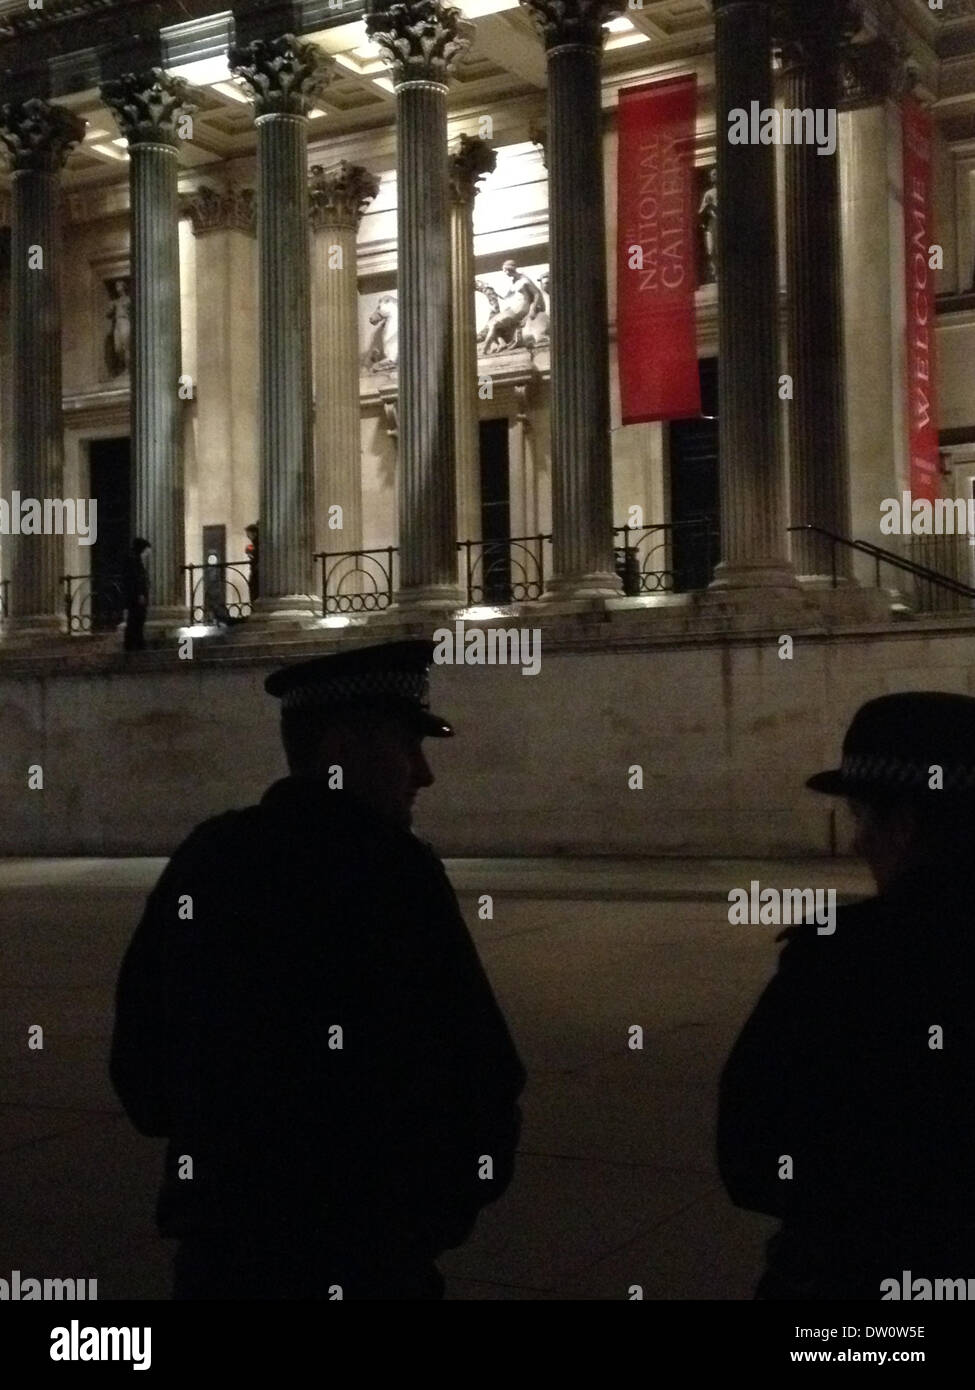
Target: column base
165,619
426,596
33,627
769,574
601,584
285,610
819,582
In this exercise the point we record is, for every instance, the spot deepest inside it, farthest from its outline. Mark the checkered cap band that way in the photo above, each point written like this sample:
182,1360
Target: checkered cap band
402,685
887,771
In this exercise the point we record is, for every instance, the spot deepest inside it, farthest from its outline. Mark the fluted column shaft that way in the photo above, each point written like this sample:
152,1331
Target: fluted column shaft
337,202
819,473
156,359
582,479
147,107
284,74
421,39
285,413
582,482
38,138
473,159
427,495
753,535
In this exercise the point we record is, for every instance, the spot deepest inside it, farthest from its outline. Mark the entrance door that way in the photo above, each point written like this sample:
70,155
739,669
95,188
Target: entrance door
493,575
110,485
694,495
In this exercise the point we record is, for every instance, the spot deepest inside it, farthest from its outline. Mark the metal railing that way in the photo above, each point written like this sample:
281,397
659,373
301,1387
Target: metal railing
356,581
925,578
671,557
218,593
505,571
92,605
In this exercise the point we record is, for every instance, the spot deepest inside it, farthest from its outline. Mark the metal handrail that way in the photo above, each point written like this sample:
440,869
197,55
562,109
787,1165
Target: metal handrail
219,590
887,557
488,566
369,579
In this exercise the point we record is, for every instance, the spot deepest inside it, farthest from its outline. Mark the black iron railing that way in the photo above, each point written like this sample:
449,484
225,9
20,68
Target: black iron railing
356,581
92,605
669,557
505,571
218,592
926,579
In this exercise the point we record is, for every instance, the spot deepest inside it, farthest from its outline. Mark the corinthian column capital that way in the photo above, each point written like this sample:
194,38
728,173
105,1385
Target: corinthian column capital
285,74
339,197
147,105
38,135
578,22
469,163
421,39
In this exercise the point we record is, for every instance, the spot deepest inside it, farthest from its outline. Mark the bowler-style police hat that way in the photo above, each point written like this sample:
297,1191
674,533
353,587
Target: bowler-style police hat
895,742
392,676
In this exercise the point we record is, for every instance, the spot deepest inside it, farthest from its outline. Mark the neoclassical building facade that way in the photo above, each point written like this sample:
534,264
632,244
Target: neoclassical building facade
347,272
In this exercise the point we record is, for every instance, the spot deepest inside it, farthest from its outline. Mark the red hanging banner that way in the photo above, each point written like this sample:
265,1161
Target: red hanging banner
656,265
922,401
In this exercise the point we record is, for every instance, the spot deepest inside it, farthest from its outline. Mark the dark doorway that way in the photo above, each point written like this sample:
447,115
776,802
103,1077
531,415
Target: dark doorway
492,577
694,493
110,485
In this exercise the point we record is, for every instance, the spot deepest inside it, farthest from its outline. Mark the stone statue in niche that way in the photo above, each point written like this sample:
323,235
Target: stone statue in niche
119,334
522,303
382,354
536,332
707,221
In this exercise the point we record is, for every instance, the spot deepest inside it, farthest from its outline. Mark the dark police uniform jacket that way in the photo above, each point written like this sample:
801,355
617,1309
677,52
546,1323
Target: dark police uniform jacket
303,1013
838,1068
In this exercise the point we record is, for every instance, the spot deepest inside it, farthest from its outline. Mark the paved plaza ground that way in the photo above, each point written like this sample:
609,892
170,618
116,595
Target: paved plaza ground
615,1183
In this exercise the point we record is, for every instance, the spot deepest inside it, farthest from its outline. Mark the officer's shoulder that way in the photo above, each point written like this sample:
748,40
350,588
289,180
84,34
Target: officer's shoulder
854,923
229,831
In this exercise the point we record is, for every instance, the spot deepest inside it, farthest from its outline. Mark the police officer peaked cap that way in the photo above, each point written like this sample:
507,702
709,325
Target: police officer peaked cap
894,742
392,676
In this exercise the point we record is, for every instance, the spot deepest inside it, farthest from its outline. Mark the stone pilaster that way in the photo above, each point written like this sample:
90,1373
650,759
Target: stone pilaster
819,475
284,74
38,138
148,107
338,200
220,210
582,484
421,40
469,163
753,525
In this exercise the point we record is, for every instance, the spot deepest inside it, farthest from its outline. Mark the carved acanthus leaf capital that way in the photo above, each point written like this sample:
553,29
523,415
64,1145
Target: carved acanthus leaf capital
561,22
338,197
421,39
285,74
38,135
469,163
148,105
219,210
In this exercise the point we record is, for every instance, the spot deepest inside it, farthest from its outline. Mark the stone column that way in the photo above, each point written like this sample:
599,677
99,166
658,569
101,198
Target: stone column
421,40
469,163
871,74
819,476
285,75
224,222
38,138
148,107
338,200
582,481
754,541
